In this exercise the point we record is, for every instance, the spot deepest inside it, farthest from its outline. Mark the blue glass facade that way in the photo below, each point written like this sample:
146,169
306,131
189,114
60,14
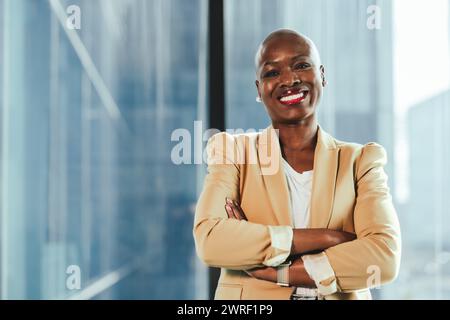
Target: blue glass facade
86,146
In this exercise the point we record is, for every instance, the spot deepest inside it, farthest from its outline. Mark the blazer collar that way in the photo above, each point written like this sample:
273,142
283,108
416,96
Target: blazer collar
326,156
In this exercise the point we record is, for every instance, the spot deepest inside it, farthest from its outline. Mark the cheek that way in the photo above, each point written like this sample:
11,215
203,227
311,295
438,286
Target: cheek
317,94
317,82
267,88
264,91
318,88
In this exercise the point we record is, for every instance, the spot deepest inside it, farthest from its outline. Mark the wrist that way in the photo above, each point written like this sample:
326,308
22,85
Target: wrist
299,276
267,273
272,277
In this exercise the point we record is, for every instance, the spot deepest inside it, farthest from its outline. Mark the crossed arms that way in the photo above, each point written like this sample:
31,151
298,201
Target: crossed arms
239,244
304,241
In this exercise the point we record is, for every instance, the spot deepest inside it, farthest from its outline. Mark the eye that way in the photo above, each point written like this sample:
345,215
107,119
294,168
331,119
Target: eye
271,73
302,65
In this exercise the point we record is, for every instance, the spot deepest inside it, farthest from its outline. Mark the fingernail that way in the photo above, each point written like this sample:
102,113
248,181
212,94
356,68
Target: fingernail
229,201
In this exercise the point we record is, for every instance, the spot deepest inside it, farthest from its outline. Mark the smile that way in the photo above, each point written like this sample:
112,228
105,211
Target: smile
294,98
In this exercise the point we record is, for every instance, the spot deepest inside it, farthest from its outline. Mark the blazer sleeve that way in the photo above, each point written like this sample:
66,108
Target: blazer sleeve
375,254
220,241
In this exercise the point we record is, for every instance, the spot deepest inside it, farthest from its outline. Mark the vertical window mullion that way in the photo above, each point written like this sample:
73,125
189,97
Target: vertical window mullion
216,88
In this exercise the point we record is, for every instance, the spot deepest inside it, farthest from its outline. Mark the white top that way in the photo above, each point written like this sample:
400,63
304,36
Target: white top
317,265
300,186
300,189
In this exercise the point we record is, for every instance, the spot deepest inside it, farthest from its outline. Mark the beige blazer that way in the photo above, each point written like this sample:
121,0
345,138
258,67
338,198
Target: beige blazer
349,193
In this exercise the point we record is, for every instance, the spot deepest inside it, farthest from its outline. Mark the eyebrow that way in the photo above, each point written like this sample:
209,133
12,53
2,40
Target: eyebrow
292,59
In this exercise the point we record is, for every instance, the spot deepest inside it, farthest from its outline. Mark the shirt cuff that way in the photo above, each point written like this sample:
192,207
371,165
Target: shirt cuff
319,269
281,239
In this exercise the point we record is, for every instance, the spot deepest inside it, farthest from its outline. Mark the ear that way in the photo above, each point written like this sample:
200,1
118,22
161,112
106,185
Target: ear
322,75
257,88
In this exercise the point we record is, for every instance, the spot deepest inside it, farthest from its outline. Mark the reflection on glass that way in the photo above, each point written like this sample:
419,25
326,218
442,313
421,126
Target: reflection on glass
89,181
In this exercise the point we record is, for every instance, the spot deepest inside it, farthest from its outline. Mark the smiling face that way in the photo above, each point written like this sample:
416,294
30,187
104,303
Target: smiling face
289,77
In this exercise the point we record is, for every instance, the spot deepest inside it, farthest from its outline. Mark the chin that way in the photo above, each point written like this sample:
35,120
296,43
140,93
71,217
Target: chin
297,117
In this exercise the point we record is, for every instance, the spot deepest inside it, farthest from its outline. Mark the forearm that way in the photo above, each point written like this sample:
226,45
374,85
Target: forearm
310,240
233,244
373,261
298,277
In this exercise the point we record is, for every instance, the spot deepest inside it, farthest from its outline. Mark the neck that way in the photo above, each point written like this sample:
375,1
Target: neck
297,136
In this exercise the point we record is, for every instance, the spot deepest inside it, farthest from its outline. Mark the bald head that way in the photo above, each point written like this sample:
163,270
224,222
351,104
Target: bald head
270,42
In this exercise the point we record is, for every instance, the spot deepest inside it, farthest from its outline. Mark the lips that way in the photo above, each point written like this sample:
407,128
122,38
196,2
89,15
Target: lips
293,96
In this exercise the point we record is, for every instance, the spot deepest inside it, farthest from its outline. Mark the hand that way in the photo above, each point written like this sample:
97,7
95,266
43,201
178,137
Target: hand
298,275
234,211
266,273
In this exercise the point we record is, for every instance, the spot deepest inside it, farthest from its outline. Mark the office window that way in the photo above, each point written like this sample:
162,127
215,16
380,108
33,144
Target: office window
88,185
88,189
422,158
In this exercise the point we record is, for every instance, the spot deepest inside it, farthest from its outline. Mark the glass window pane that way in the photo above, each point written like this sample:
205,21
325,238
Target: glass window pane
90,185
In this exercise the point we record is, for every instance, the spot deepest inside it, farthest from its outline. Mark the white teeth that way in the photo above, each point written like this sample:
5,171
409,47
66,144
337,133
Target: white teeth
293,97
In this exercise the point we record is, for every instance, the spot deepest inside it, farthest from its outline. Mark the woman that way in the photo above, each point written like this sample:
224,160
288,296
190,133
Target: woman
291,212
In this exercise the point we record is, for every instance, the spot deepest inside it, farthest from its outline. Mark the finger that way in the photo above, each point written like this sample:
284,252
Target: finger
233,209
237,209
241,212
229,211
257,273
235,212
249,273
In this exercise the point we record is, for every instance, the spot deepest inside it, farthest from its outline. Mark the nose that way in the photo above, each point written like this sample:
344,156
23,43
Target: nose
289,79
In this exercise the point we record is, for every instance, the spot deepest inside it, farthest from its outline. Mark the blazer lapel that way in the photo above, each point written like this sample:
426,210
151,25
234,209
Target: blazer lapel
326,159
270,162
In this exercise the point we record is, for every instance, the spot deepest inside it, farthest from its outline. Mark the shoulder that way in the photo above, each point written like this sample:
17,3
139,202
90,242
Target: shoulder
351,149
220,137
236,134
364,156
230,147
370,149
219,145
230,137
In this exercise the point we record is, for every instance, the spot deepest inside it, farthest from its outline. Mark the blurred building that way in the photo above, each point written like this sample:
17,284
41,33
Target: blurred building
89,116
426,224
